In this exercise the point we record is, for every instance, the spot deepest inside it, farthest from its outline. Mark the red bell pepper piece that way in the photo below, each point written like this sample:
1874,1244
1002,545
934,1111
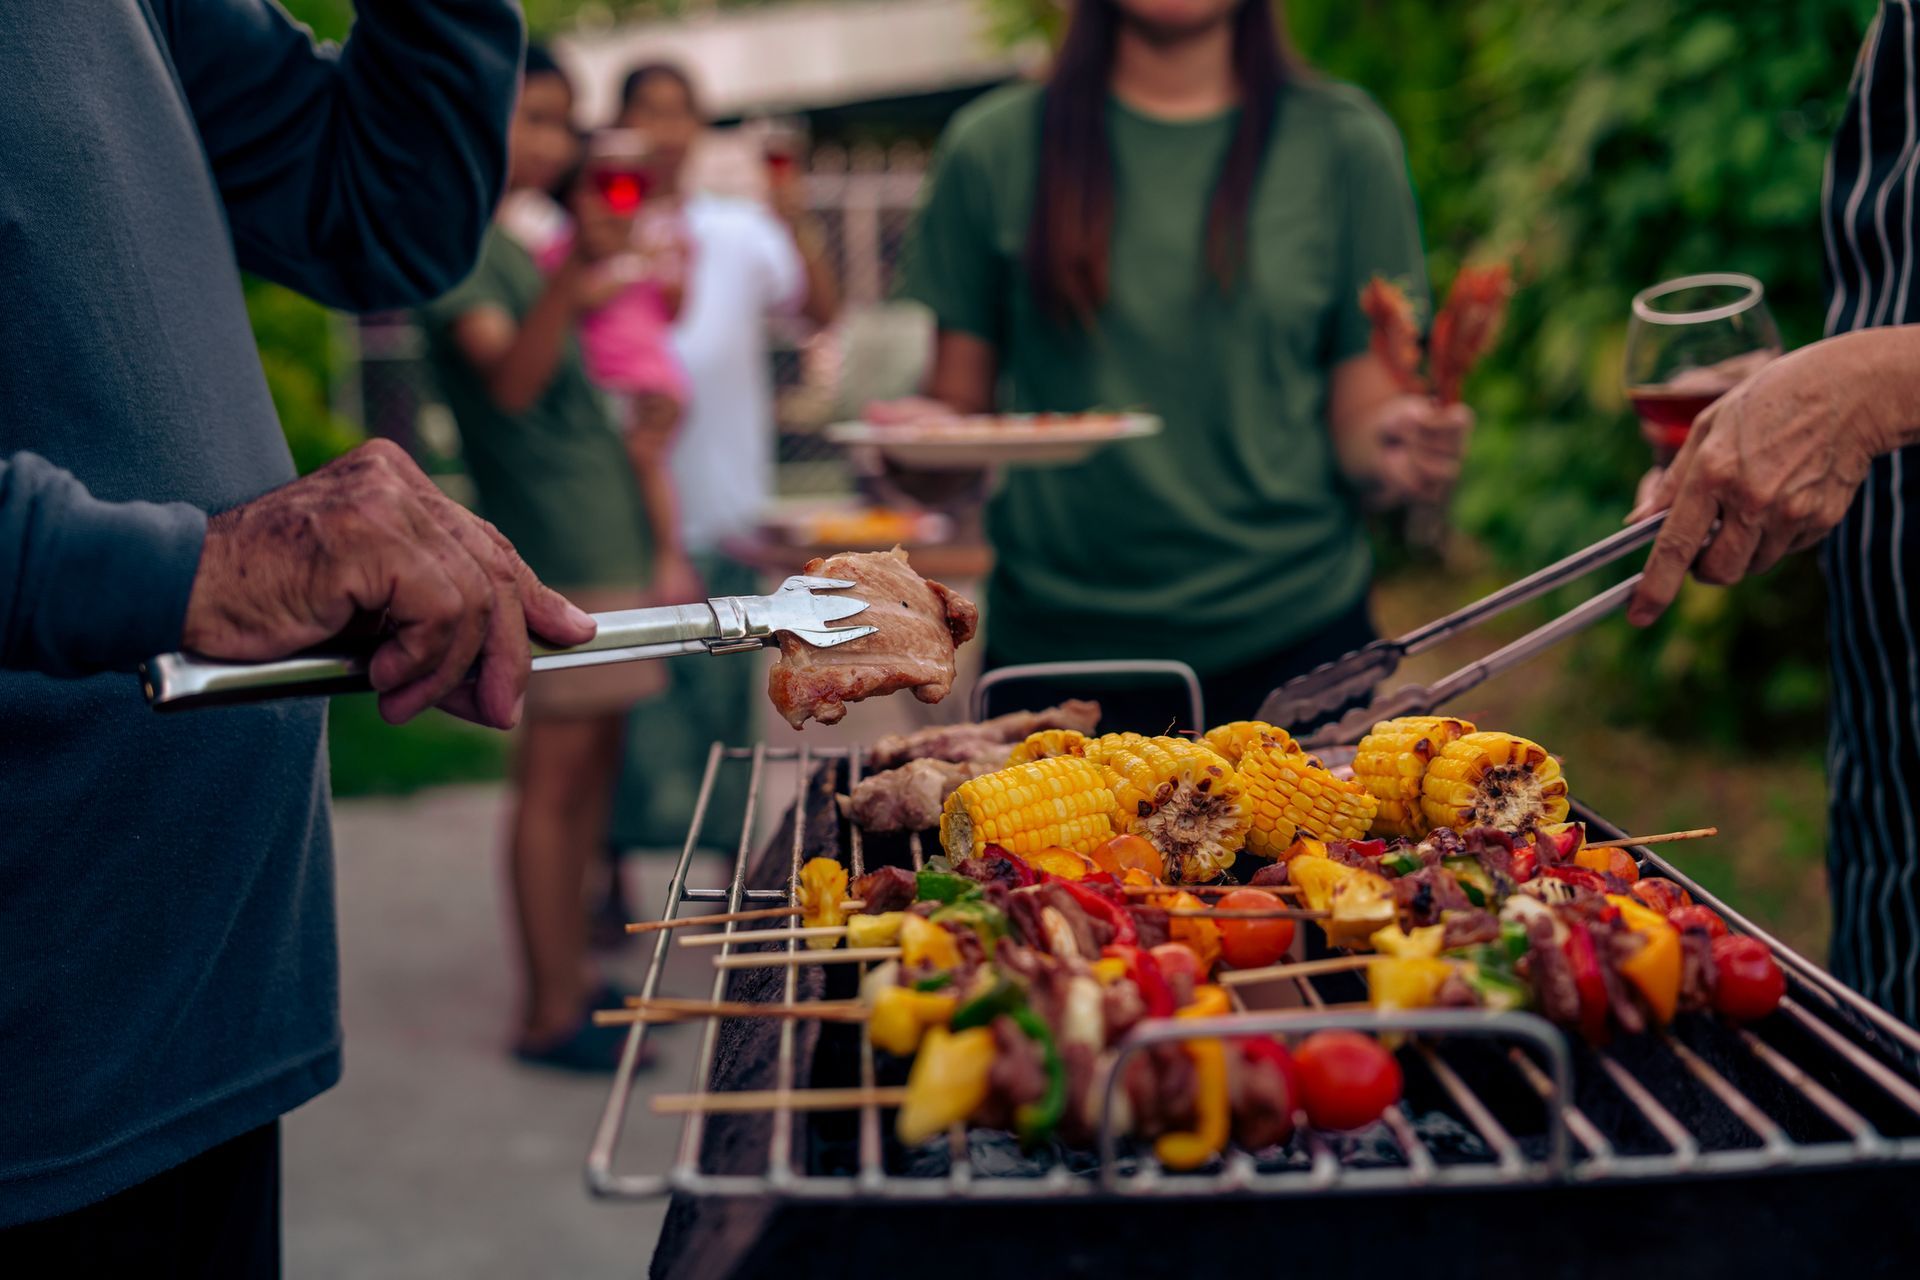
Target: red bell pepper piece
1101,907
1526,865
1144,972
1585,962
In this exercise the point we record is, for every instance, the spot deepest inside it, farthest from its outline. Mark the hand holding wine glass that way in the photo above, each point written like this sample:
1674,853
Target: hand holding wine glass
1692,340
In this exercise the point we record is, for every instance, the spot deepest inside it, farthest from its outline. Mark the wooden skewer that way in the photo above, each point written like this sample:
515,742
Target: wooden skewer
789,959
729,917
678,1010
1202,890
1629,842
1298,969
674,1104
1271,913
765,935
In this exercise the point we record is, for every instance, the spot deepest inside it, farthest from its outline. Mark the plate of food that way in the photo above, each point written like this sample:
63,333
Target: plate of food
836,526
966,441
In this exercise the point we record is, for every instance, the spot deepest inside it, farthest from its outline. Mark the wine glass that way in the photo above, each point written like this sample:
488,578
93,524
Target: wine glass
1692,340
617,165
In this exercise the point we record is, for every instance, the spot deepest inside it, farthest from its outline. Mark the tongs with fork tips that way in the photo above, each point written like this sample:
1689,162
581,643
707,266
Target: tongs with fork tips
726,624
1307,699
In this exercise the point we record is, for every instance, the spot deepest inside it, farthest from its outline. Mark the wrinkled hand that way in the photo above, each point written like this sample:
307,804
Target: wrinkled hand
369,536
1776,461
1420,444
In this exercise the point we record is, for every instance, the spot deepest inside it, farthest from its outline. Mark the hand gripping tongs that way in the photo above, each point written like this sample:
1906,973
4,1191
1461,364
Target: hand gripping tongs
729,624
1324,690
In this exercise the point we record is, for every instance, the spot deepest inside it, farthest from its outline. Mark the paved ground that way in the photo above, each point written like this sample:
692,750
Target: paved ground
437,1156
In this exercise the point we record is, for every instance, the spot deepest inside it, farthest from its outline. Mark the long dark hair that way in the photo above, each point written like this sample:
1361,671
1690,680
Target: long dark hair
1072,225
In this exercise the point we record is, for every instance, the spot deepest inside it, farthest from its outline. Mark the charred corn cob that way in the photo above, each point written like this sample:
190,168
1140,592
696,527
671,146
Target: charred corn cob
1232,740
1024,808
1142,766
1291,794
1392,763
1494,780
1048,743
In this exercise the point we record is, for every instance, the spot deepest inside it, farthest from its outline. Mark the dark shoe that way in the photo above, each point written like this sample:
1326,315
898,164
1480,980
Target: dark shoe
589,1050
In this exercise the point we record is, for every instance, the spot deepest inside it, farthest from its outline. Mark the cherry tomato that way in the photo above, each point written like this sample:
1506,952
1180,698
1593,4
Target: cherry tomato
1123,853
1748,984
1250,944
1620,863
1346,1079
1181,969
1662,894
1698,917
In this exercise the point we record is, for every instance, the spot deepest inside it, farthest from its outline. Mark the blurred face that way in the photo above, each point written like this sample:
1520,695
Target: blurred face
541,145
663,111
1176,19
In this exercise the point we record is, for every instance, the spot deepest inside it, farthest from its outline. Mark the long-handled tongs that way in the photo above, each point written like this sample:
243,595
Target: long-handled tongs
729,624
1324,690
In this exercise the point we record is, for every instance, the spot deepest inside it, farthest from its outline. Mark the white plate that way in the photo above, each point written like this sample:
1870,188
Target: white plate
984,440
797,524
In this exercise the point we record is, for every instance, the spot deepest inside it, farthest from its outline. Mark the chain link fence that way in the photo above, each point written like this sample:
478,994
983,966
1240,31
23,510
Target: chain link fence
863,202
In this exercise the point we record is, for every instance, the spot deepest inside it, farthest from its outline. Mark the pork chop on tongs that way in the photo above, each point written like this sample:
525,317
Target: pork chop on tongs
917,627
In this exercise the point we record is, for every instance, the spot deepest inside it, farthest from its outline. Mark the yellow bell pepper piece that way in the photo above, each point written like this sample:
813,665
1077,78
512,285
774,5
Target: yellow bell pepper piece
1209,1001
882,930
1211,1110
1201,936
1407,982
1304,847
1064,863
947,1084
1654,969
1593,859
1317,877
1421,943
822,888
901,1016
923,942
1109,969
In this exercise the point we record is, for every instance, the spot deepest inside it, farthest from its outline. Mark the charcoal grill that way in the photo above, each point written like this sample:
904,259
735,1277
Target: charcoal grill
1792,1146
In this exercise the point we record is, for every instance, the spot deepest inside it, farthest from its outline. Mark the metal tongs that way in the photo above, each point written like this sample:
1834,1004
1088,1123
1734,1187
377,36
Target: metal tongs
1324,690
728,624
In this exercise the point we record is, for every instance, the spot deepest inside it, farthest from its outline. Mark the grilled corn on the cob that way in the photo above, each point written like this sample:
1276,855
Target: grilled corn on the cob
1392,764
1049,743
1024,808
1232,740
1291,794
1182,796
1494,780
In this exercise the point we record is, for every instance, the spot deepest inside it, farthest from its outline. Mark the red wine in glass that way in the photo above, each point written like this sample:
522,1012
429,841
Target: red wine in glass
1668,415
624,189
1690,341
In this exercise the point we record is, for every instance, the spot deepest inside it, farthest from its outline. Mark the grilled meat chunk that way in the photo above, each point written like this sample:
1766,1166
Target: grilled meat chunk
888,889
1262,1107
1274,873
968,741
1426,893
1552,974
909,798
920,625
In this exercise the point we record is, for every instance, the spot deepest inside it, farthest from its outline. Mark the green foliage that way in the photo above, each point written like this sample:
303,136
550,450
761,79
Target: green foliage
369,757
1606,145
297,352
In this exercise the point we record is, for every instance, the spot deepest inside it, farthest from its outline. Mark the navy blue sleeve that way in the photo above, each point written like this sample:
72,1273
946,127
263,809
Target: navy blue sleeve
362,176
86,585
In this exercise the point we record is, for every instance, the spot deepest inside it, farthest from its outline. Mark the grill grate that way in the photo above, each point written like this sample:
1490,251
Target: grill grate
1491,1100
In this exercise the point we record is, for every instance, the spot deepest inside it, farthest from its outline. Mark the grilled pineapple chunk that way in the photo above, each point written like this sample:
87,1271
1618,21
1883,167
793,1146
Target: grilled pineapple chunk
1494,780
1392,764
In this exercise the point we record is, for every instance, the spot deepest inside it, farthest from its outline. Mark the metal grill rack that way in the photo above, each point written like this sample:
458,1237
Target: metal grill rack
1492,1099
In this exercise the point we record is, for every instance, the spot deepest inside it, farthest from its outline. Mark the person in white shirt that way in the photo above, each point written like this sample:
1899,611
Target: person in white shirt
749,261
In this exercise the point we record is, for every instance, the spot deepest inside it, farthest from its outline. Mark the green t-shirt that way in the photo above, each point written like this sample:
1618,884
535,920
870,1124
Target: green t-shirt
555,479
1231,534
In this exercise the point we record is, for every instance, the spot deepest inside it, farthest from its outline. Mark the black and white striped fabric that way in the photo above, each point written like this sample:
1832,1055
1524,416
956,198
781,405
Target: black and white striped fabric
1873,557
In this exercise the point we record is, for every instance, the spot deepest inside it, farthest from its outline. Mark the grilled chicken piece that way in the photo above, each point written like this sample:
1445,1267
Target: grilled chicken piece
920,624
972,741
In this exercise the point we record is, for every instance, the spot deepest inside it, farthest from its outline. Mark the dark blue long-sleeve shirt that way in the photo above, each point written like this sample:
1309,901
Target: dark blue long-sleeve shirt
167,961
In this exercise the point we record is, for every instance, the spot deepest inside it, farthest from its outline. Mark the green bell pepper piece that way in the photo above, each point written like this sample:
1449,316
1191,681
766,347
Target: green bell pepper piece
1473,879
988,922
1004,996
944,886
1402,863
1036,1121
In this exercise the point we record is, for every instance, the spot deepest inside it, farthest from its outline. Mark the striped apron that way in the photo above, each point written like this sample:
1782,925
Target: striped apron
1873,556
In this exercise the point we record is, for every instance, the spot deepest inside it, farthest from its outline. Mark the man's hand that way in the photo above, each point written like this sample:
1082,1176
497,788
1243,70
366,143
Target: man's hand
1419,445
369,535
1776,461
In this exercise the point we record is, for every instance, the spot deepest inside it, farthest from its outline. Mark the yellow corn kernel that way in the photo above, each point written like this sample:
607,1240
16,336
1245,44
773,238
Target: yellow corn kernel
1494,780
1292,795
1392,764
1146,770
1232,740
1049,743
1024,808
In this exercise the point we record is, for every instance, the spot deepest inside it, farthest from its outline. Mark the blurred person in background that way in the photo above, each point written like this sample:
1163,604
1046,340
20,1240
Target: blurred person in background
169,982
1822,446
1180,219
750,261
551,471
